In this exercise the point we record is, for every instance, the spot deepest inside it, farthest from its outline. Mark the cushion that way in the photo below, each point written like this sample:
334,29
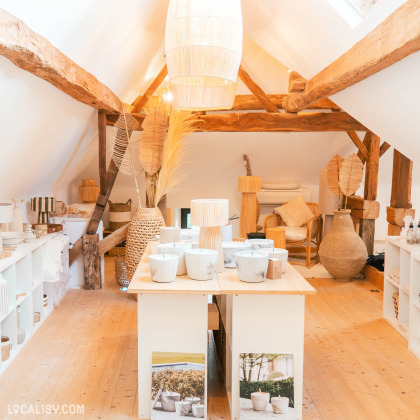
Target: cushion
296,233
295,213
280,185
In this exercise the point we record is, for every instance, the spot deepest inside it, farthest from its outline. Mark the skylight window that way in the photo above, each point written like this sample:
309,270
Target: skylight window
354,11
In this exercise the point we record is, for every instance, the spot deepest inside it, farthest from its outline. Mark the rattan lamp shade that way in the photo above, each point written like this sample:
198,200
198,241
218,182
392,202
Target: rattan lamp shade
207,213
203,43
210,215
198,98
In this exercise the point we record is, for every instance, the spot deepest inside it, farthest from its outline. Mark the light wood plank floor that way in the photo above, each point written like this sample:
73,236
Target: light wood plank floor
356,365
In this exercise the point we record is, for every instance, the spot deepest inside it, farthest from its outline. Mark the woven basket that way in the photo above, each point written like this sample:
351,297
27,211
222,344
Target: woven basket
6,345
121,272
119,214
37,316
144,227
396,299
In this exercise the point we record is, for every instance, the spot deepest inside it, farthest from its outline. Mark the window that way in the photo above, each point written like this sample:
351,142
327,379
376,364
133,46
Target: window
354,11
364,6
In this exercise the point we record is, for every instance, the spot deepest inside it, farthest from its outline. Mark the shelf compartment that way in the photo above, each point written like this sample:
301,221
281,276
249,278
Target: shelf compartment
24,275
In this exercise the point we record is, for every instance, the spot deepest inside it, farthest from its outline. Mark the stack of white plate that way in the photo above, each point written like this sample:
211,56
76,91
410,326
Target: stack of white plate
13,238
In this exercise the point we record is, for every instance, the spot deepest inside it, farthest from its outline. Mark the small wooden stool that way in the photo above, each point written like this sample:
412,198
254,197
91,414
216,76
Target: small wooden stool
278,234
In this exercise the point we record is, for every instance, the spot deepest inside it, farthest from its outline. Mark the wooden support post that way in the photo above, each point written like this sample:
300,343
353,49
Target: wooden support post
91,262
367,226
248,186
400,207
102,150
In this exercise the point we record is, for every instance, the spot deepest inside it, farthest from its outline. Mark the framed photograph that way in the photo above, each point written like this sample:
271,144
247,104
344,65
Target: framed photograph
266,384
178,385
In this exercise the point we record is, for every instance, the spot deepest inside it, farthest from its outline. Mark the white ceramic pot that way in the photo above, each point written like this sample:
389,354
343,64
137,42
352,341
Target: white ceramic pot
230,249
163,267
176,248
252,266
260,400
169,234
168,400
227,234
201,263
198,411
260,243
182,408
280,405
280,253
193,400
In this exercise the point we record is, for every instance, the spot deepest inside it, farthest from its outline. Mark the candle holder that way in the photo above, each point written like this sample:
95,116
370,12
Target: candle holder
252,266
201,263
169,234
280,253
176,248
163,267
210,215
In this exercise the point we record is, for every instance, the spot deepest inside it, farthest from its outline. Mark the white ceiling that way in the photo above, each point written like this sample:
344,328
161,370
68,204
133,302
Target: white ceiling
49,138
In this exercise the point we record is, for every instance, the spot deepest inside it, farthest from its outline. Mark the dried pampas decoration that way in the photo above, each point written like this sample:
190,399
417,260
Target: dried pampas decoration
174,150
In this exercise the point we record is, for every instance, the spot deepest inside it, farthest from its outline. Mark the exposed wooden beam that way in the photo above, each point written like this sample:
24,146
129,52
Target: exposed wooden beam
33,53
102,150
142,100
261,122
257,91
384,147
359,144
367,227
111,119
402,172
251,103
113,239
91,262
296,82
395,38
366,142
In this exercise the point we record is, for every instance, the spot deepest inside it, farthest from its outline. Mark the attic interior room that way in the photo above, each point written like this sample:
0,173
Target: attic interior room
186,181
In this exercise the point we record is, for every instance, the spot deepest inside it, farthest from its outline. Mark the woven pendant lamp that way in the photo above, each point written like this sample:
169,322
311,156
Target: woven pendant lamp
203,43
210,215
198,98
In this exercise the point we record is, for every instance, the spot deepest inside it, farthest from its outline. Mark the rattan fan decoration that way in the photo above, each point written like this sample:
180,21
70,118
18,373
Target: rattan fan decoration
333,174
155,131
351,175
124,139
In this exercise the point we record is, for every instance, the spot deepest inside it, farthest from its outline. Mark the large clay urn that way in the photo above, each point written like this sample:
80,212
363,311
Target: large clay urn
342,251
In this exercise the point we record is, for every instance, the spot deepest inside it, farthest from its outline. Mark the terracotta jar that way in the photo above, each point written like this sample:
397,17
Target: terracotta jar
343,253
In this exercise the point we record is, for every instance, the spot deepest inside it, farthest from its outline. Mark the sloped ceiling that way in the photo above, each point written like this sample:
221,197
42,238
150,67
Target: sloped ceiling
47,137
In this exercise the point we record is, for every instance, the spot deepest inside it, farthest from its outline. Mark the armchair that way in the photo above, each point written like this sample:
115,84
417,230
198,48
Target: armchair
307,237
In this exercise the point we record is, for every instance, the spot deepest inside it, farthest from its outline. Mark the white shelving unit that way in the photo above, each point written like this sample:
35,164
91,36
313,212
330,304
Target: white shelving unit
406,257
24,273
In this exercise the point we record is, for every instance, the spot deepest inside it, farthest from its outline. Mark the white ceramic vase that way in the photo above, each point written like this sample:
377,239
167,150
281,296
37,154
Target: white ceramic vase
176,248
201,263
260,400
227,234
252,266
279,253
182,408
163,267
193,400
261,243
280,405
229,251
168,400
198,411
169,234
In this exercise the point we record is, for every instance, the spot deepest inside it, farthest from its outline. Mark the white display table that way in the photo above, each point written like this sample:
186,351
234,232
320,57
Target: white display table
258,317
